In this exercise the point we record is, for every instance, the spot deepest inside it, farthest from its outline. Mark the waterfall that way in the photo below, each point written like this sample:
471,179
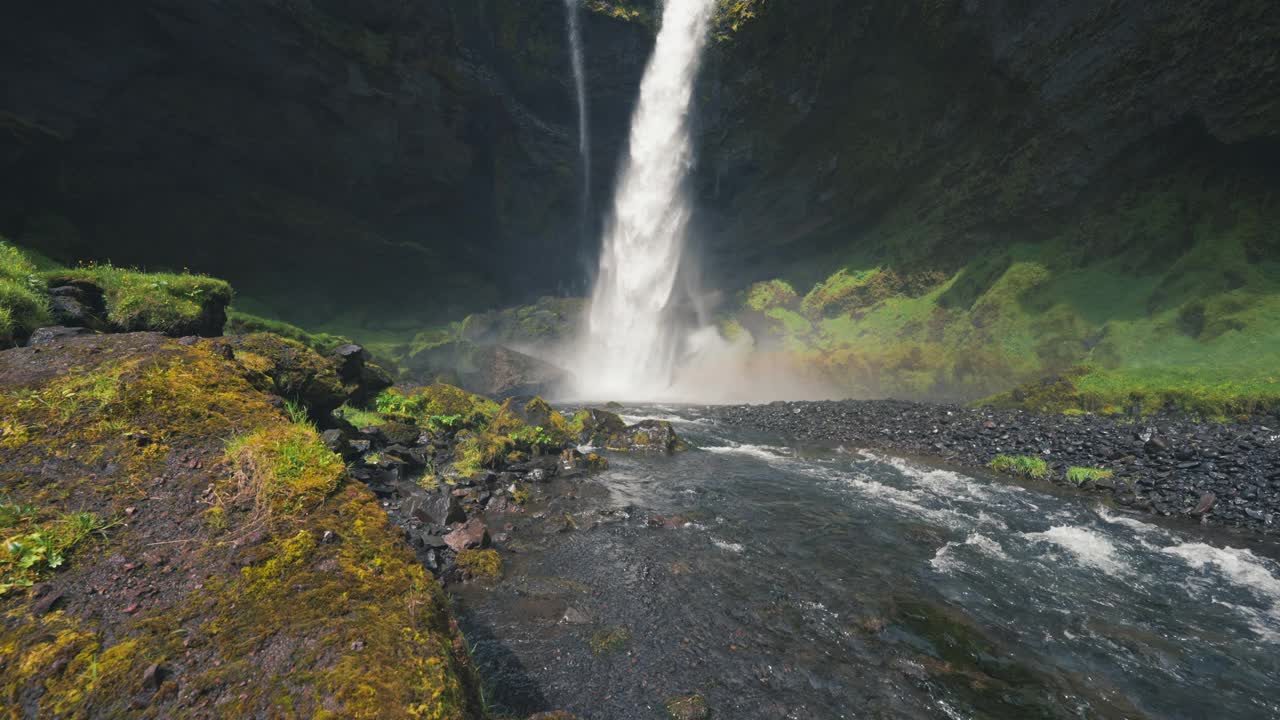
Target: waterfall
632,340
572,10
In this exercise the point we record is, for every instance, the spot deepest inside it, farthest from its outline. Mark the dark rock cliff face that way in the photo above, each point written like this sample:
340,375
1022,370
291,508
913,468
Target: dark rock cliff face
326,156
925,131
392,162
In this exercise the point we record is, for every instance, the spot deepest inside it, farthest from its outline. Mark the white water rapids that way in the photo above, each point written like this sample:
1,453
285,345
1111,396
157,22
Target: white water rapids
631,342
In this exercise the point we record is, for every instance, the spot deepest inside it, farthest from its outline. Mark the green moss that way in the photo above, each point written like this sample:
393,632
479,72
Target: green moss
609,639
1022,465
438,400
764,296
480,564
361,418
239,323
23,304
285,468
1082,475
170,303
622,10
294,627
1207,392
34,543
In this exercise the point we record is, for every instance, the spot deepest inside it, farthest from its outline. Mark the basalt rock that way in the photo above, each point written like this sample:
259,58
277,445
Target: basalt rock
600,425
647,436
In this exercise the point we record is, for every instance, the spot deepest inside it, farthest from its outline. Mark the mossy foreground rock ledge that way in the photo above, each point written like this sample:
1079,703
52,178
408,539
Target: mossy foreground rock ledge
231,568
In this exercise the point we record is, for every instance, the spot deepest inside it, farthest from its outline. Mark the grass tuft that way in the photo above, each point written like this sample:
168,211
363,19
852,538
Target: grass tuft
1081,475
1021,465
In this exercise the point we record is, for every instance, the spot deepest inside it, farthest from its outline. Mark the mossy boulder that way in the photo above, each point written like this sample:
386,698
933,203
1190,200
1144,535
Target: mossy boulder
596,426
241,323
176,304
291,370
647,436
278,587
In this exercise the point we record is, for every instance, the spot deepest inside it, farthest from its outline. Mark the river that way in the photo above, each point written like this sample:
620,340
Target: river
785,582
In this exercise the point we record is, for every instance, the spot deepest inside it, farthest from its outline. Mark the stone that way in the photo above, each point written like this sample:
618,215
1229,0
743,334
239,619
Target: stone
1207,501
599,425
70,312
440,508
57,333
647,436
471,535
153,677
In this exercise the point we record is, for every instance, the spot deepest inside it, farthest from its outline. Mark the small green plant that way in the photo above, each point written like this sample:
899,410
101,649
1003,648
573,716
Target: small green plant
297,412
39,547
1022,465
520,494
361,418
444,423
1081,475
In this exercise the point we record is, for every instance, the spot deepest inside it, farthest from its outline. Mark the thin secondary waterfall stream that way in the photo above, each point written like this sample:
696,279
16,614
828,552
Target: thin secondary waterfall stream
631,342
573,13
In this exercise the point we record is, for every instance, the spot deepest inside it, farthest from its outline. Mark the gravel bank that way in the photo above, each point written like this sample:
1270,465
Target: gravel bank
1218,474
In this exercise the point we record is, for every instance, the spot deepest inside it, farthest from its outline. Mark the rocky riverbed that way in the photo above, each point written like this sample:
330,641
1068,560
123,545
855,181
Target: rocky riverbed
1213,473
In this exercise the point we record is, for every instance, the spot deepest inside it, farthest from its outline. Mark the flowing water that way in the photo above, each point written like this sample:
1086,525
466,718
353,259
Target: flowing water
783,582
631,341
574,27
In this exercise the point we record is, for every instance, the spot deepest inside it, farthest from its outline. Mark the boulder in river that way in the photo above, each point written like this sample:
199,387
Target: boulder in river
599,425
647,436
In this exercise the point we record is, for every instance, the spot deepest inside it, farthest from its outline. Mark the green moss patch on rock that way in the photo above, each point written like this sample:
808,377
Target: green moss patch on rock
1021,465
175,304
480,564
315,609
239,323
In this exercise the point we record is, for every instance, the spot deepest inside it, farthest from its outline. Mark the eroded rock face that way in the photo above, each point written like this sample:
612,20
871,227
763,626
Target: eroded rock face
1016,108
449,124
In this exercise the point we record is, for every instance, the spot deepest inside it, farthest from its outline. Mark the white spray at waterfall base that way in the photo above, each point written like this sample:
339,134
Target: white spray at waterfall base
639,343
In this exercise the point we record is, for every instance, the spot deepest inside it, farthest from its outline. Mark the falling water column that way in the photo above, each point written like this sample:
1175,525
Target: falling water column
631,340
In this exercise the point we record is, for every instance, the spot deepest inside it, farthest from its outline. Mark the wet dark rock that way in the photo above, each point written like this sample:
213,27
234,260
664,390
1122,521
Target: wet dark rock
397,433
70,312
439,508
153,677
50,335
336,440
